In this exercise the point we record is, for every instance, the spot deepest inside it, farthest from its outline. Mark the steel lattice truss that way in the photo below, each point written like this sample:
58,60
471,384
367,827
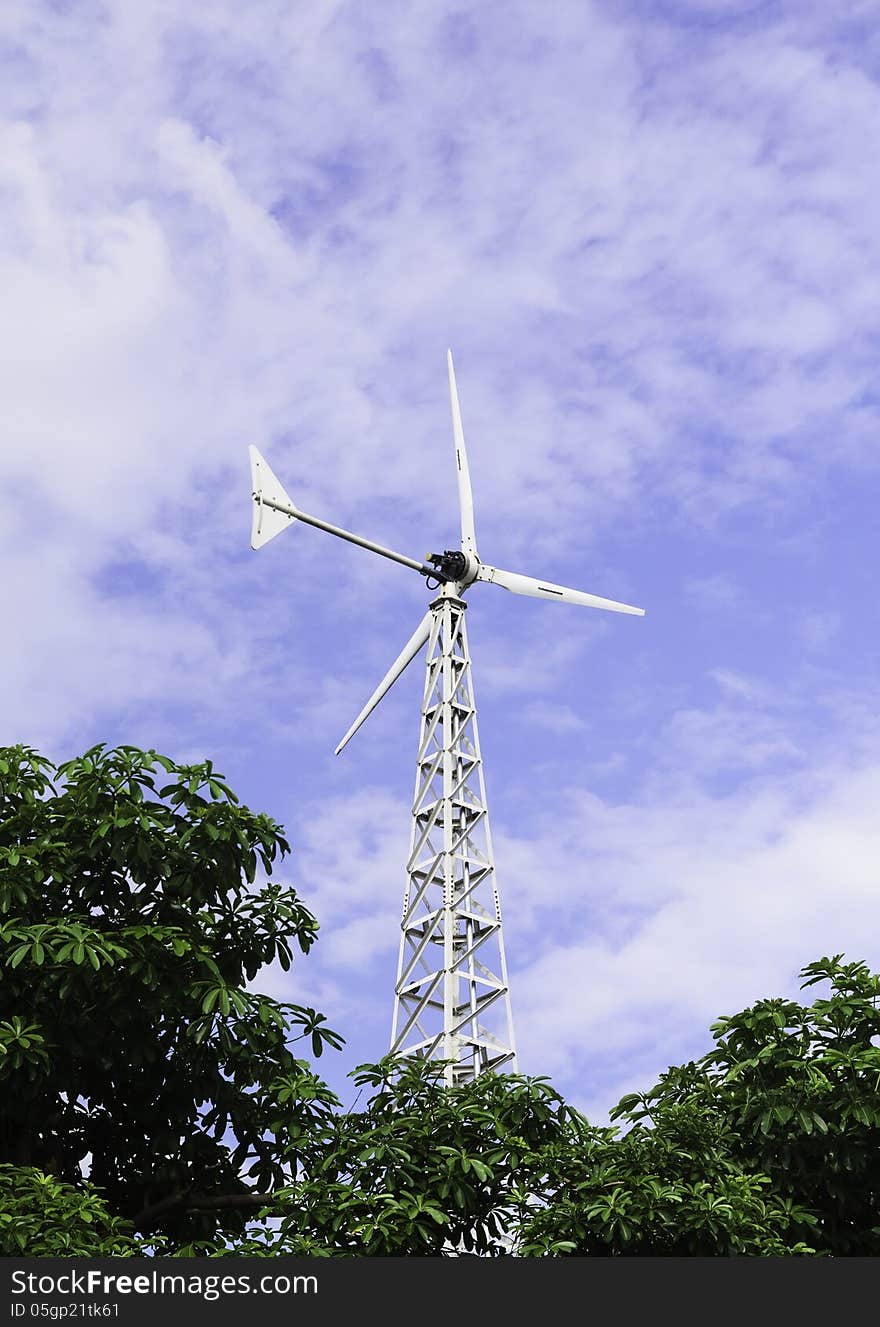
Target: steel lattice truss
452,999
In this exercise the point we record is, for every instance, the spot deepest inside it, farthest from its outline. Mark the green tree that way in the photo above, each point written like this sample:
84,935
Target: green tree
42,1217
767,1145
503,1165
131,923
676,1188
796,1089
425,1169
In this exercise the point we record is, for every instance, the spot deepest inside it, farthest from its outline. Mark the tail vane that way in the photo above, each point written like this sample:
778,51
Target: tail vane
267,488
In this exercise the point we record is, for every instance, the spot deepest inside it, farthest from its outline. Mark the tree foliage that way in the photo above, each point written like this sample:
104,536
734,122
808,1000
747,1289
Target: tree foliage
502,1165
131,922
42,1217
132,926
427,1169
796,1089
768,1145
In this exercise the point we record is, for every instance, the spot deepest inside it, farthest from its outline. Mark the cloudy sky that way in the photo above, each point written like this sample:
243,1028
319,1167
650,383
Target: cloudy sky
651,234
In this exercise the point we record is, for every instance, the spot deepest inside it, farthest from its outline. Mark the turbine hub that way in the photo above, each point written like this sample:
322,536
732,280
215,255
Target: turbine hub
453,565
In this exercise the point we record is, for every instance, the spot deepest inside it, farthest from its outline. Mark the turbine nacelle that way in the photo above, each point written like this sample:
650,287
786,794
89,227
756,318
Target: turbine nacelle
456,567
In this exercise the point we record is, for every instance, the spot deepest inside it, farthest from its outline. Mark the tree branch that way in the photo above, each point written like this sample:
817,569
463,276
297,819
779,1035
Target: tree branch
201,1202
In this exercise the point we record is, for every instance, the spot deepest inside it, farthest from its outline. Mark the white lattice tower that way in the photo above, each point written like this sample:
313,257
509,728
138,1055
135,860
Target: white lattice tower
452,998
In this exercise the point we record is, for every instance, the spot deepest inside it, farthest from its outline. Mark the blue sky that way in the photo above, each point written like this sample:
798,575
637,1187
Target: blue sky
651,235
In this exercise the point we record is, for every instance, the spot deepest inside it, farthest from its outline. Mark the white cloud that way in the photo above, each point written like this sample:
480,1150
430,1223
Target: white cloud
557,718
755,888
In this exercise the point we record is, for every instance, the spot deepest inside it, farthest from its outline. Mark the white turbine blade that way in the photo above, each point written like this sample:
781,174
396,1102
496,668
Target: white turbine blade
517,584
406,656
465,497
268,521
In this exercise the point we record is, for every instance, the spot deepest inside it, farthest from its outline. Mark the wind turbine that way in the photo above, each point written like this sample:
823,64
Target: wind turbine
452,997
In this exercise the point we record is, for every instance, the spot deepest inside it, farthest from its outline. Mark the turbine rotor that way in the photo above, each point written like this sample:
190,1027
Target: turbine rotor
456,567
